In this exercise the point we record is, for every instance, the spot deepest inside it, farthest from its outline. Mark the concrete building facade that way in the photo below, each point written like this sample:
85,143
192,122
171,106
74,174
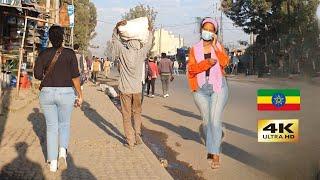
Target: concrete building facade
166,42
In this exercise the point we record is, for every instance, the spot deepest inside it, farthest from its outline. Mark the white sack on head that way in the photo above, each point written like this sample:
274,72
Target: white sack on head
135,29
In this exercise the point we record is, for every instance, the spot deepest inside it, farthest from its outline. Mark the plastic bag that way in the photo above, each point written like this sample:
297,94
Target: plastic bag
135,29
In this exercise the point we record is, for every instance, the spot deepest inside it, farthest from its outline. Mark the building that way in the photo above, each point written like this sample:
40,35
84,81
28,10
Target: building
166,42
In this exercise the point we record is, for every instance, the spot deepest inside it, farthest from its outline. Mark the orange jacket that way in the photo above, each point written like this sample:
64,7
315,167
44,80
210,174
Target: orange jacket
195,68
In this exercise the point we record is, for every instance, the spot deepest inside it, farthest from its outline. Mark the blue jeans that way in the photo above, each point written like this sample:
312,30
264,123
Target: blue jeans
211,106
176,71
57,104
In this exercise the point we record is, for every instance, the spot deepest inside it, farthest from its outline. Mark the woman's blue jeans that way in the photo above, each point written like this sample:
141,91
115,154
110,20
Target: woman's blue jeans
211,106
57,104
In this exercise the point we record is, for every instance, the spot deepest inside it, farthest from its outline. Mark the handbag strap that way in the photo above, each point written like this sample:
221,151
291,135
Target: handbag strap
53,62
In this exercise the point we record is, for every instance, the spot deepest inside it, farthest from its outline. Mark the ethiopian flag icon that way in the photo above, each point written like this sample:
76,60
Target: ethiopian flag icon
278,100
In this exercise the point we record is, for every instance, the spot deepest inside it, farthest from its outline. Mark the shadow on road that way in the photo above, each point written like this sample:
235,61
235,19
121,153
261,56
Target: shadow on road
245,157
21,167
227,149
39,127
4,103
103,124
74,172
240,130
184,132
184,112
228,126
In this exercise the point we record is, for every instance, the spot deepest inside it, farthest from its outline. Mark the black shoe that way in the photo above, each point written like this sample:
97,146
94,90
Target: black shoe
128,146
209,156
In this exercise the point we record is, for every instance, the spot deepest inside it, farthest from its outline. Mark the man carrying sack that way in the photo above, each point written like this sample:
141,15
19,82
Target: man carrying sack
131,54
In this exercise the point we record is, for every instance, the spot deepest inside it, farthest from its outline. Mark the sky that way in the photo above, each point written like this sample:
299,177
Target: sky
177,16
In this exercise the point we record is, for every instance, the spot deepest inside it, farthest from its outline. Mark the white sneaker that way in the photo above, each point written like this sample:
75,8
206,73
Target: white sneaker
152,96
63,158
53,166
166,95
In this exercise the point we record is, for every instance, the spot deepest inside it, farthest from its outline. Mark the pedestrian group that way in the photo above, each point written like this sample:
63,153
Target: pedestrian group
63,72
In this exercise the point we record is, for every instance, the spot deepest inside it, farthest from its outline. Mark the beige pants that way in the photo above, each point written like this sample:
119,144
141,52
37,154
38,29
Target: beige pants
131,107
107,71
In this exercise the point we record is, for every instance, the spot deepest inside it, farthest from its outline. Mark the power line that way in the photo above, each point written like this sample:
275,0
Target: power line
106,22
233,29
165,26
178,25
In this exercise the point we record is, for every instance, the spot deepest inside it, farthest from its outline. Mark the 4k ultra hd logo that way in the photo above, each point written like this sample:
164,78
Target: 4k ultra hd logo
286,130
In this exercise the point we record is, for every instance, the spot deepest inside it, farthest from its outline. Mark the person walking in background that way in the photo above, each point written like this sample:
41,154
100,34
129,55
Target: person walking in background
207,61
107,67
96,68
187,64
165,70
57,68
145,69
92,60
102,60
131,55
89,64
152,76
176,67
82,64
235,62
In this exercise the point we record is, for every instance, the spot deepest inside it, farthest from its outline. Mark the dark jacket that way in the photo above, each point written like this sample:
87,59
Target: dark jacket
165,66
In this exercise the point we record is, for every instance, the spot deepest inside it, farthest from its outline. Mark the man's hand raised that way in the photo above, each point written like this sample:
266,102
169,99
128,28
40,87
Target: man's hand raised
121,23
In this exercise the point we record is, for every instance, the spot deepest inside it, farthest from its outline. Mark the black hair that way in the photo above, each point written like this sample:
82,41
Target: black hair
56,36
163,55
76,46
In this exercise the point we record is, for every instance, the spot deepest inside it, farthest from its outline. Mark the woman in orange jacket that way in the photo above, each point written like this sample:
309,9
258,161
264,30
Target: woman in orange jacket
206,76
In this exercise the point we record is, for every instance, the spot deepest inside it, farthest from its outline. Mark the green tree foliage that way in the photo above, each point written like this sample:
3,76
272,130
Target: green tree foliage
141,11
287,30
85,22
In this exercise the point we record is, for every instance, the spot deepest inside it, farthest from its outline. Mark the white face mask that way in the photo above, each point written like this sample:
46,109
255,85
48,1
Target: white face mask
206,35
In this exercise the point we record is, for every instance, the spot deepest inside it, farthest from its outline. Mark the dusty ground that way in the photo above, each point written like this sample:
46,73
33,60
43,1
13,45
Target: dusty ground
96,147
242,156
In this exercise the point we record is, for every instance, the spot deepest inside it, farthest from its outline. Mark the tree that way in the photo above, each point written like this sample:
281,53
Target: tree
284,27
85,23
141,11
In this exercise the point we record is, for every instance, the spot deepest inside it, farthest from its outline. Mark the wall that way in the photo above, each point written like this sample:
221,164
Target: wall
169,43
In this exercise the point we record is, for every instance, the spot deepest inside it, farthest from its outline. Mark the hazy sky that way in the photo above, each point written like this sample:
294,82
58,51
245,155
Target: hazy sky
177,16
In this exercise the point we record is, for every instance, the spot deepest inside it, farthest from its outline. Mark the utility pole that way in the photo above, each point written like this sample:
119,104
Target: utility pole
72,29
252,61
48,10
160,40
221,27
216,11
57,10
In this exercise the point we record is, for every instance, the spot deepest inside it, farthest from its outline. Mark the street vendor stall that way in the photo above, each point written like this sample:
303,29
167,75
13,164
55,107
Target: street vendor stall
18,41
24,30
